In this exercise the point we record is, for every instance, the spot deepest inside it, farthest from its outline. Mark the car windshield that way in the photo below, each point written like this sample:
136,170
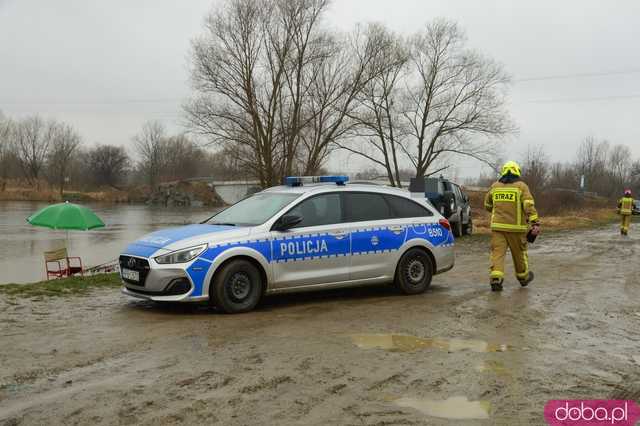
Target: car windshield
254,210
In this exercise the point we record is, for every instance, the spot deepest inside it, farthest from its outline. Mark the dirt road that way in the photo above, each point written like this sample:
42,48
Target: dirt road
361,357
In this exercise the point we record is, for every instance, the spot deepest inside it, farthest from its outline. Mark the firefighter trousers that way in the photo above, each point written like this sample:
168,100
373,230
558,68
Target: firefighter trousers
516,242
626,222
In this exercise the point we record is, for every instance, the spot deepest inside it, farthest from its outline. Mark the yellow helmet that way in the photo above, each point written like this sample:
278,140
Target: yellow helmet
510,167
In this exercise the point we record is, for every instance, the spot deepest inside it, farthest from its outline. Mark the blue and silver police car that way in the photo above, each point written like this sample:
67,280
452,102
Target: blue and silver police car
311,233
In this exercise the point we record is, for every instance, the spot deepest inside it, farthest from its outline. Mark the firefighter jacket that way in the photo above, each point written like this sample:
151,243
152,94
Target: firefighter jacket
511,206
626,206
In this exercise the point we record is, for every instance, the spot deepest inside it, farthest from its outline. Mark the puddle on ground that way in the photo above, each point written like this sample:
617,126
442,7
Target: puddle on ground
457,407
402,343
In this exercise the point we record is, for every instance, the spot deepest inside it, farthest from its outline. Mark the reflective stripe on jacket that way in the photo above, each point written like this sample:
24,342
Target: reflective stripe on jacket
626,206
511,205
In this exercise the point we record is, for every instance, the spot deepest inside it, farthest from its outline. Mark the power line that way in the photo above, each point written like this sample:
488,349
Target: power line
95,102
578,100
577,75
179,100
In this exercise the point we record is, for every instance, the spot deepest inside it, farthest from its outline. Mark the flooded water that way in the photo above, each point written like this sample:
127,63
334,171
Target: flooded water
402,343
22,245
456,408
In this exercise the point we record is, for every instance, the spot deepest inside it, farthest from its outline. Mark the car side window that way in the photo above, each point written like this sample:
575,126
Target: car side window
365,206
322,209
403,207
458,192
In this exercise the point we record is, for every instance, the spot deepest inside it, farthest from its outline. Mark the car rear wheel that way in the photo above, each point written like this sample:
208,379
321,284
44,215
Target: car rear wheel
468,228
457,228
237,287
414,272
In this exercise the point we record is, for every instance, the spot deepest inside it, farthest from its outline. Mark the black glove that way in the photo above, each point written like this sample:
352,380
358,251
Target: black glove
533,233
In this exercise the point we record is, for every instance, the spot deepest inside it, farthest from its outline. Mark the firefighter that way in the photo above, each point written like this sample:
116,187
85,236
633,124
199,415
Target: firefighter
513,214
625,208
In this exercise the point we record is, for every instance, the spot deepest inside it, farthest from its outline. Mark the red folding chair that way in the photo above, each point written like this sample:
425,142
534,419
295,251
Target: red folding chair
58,264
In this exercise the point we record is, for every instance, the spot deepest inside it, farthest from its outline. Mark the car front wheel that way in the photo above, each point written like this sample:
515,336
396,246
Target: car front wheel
237,287
414,272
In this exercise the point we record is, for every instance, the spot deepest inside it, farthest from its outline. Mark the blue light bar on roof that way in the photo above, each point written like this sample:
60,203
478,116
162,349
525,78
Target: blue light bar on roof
299,180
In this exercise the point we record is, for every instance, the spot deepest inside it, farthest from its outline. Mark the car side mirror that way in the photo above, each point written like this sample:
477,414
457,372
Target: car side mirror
287,222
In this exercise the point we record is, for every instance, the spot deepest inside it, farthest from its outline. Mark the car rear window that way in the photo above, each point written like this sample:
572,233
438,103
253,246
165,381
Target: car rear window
403,207
366,206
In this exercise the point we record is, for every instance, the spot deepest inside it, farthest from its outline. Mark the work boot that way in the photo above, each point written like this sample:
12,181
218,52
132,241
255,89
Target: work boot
526,281
496,284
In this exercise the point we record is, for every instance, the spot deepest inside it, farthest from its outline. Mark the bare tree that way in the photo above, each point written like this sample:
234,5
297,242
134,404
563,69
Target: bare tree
591,163
619,166
634,179
150,145
64,142
107,165
345,70
446,101
274,86
455,104
563,176
378,117
6,146
240,83
32,138
183,158
5,129
536,168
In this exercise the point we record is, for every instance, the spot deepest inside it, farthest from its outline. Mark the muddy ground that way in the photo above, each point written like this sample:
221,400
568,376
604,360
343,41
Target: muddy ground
332,358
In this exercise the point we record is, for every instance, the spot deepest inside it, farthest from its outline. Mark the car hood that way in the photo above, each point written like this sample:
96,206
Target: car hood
170,239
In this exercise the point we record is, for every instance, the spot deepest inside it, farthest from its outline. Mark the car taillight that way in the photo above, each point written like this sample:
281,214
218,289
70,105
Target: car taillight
445,223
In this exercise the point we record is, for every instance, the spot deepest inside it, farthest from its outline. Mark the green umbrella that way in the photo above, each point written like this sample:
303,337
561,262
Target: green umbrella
66,216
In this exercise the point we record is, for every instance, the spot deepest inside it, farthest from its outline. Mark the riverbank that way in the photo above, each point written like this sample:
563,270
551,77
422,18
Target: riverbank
60,287
168,194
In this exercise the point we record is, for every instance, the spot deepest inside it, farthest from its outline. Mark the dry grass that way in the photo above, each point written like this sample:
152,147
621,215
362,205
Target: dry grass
558,211
61,287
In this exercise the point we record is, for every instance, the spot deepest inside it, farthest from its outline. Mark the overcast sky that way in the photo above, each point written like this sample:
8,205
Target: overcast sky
106,67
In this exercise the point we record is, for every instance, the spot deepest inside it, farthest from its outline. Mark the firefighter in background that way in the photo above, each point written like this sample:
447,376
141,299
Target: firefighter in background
512,211
625,208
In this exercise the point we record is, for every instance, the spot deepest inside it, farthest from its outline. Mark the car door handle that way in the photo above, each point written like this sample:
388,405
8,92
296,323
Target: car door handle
397,229
338,235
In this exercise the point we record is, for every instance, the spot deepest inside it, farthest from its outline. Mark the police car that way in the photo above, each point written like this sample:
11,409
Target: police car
311,233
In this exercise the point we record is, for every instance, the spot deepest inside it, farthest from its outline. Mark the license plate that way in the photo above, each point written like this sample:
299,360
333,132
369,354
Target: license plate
128,274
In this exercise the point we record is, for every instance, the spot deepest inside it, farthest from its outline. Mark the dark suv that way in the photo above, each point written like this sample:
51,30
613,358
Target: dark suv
449,199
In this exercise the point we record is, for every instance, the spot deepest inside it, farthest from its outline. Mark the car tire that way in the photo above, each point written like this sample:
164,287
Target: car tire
468,228
237,287
457,228
414,272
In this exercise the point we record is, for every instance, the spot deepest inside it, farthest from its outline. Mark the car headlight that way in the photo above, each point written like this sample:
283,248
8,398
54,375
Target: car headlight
181,256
